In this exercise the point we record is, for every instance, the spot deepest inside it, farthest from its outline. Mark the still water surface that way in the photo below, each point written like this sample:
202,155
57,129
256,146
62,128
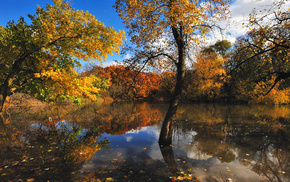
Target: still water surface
120,143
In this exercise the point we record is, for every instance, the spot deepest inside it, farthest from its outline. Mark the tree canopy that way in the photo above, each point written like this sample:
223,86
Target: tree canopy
39,58
163,31
259,61
156,28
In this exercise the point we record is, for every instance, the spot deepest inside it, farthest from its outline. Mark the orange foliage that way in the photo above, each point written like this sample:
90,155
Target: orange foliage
51,123
126,83
145,83
116,121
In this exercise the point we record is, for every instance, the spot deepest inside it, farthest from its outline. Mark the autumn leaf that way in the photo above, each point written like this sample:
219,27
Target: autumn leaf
57,38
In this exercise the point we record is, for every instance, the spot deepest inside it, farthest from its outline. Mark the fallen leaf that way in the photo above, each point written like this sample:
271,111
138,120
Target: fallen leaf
109,179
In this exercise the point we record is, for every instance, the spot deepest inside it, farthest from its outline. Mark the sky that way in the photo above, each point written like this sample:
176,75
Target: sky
103,11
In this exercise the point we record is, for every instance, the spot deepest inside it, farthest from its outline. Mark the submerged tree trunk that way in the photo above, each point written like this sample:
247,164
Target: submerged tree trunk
165,138
168,156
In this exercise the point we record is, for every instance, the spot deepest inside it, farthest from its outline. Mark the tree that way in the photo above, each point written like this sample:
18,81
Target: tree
222,46
210,75
265,48
39,58
260,60
163,32
126,83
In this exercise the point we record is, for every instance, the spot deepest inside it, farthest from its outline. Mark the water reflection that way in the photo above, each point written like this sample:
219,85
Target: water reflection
237,142
54,152
120,142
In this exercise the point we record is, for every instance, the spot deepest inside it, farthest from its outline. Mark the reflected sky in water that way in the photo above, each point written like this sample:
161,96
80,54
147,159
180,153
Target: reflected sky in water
140,145
120,142
136,145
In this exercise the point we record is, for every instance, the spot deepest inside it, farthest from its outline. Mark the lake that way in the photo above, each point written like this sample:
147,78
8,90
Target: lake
119,142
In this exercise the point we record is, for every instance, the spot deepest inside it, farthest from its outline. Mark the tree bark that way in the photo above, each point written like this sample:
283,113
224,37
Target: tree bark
5,90
165,138
168,156
15,69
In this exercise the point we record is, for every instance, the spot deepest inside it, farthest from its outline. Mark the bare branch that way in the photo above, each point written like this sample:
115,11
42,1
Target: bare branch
251,57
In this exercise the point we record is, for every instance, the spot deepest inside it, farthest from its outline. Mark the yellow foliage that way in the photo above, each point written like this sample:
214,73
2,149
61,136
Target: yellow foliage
182,177
70,82
82,153
151,18
77,32
276,96
210,74
57,38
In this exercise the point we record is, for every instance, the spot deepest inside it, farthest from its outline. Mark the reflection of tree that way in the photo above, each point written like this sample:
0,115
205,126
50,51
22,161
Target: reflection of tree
267,154
54,153
119,118
257,137
169,159
271,163
215,148
54,150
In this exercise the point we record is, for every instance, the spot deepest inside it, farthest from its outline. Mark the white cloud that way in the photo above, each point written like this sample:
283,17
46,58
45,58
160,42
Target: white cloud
236,24
155,152
240,10
129,138
108,63
233,27
127,56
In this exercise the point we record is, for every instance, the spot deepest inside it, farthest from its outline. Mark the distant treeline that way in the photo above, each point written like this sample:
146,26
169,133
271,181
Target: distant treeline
208,83
219,73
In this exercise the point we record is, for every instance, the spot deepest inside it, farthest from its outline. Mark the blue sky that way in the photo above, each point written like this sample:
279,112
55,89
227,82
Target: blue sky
101,9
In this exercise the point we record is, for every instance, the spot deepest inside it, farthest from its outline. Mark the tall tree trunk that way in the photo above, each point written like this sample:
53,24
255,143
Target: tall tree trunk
4,90
165,138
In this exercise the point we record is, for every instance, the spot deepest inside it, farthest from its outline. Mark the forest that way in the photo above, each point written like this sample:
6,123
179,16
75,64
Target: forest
209,79
179,105
254,69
